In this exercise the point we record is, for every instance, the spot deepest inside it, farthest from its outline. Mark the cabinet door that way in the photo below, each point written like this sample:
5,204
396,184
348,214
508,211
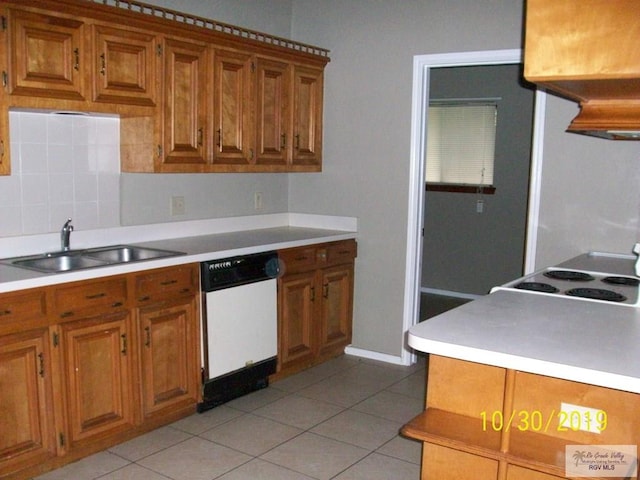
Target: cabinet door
232,106
46,55
296,304
307,116
169,367
337,307
26,421
272,113
184,110
124,68
97,369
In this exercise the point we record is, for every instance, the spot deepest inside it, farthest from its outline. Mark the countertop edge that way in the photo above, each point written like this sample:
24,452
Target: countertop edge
261,241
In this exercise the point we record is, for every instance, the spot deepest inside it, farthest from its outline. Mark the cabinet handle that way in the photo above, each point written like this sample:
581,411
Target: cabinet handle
168,282
147,343
95,296
103,64
5,78
283,141
200,134
41,358
76,52
299,258
5,312
66,314
116,304
144,299
124,343
219,141
313,294
1,148
325,290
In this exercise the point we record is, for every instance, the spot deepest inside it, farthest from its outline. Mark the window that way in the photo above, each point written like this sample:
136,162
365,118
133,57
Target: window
461,146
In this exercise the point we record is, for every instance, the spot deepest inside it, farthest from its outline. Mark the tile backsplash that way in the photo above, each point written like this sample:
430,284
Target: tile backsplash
63,166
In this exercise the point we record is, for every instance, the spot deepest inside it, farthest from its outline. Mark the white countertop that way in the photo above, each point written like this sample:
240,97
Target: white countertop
200,241
556,336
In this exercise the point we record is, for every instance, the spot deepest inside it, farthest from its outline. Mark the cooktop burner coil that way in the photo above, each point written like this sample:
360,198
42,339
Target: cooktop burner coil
596,294
569,275
537,287
627,281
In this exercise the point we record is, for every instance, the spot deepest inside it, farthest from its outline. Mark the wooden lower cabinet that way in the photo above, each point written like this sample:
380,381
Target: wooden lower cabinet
98,373
486,422
166,339
26,412
87,365
444,463
315,304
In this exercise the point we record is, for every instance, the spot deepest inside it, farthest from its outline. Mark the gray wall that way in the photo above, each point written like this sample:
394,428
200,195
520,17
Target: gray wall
367,139
466,251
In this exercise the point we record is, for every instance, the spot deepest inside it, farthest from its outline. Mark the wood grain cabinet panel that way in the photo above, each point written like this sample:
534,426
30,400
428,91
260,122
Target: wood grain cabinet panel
47,55
307,116
26,420
272,124
124,66
315,305
232,106
97,366
184,109
166,337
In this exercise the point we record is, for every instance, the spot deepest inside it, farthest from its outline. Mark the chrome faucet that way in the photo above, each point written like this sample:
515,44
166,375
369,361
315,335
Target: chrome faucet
65,235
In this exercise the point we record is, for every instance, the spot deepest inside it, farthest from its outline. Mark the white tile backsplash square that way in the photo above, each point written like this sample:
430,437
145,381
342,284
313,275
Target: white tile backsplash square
62,166
33,158
59,130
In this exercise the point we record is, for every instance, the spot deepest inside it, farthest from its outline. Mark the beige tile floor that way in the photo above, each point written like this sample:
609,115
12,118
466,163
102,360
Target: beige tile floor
339,420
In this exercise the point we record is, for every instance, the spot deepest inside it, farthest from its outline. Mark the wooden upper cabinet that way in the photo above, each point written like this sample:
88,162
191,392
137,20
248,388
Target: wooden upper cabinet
124,66
47,55
232,108
307,116
273,137
184,110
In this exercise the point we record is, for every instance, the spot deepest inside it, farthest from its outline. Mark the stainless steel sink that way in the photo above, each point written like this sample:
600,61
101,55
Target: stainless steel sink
127,253
57,262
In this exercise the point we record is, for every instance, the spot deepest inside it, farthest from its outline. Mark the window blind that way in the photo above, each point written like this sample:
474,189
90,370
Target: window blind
461,143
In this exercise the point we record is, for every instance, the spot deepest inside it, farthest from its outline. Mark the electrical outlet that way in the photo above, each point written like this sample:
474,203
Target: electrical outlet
257,201
577,417
178,206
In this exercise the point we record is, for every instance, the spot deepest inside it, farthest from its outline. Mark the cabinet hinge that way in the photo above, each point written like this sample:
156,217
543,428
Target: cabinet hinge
5,79
4,23
159,50
61,439
56,339
159,151
253,67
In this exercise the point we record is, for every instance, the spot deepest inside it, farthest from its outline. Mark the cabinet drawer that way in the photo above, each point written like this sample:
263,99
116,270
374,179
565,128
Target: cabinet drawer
341,252
22,310
298,259
99,296
161,283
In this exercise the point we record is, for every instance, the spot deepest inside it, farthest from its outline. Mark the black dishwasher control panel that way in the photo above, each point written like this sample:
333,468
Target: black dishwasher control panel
240,270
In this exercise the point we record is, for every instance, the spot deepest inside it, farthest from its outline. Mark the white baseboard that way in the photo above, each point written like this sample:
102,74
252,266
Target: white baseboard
371,355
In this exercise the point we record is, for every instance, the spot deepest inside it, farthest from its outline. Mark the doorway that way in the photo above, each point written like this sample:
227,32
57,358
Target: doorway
421,75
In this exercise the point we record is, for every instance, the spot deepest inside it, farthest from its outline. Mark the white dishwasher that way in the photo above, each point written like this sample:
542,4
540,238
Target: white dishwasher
240,326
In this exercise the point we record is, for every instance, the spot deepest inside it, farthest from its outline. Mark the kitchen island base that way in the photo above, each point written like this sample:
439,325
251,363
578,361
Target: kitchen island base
487,422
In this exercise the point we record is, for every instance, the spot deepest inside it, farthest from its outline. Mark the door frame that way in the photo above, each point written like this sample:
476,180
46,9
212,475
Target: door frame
422,64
